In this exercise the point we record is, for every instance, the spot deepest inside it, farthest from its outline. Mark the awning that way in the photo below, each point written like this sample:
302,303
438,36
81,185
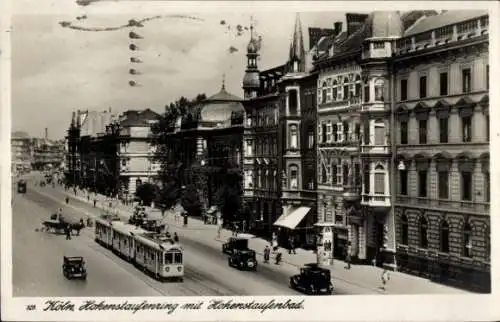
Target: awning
292,217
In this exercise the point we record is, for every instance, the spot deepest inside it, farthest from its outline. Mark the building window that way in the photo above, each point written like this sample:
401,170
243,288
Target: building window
366,178
357,88
443,185
357,132
403,128
443,84
324,174
467,240
329,132
444,237
404,89
466,185
404,230
466,80
345,174
345,128
324,93
346,88
338,172
293,136
422,131
423,232
249,120
422,183
249,148
379,90
403,182
324,133
311,139
379,178
423,86
467,129
334,91
366,94
487,76
334,174
294,177
379,134
357,174
443,130
487,186
292,101
334,129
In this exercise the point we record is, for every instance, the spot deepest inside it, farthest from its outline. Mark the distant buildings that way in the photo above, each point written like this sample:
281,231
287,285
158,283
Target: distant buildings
35,153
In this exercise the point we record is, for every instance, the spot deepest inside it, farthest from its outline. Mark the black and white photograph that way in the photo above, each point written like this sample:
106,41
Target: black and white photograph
295,154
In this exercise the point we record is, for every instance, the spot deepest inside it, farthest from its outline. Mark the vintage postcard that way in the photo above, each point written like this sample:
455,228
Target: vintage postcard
249,161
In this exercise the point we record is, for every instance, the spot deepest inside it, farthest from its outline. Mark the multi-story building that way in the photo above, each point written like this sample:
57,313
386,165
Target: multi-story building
339,132
280,148
47,154
137,162
440,86
21,151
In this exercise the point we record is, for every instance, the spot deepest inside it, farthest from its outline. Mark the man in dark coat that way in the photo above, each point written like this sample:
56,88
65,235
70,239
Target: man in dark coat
67,230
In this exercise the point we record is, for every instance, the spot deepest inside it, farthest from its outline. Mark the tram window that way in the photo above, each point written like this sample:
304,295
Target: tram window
178,258
168,258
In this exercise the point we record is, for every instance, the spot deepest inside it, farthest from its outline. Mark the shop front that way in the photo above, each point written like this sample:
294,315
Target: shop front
292,225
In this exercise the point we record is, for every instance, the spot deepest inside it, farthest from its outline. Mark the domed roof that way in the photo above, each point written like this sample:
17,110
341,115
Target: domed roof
220,107
251,79
386,24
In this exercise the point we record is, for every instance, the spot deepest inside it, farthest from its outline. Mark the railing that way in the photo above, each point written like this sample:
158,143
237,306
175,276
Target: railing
383,149
376,200
467,206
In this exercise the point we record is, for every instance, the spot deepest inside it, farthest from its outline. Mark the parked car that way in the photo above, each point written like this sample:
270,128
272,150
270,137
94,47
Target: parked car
243,259
74,267
312,280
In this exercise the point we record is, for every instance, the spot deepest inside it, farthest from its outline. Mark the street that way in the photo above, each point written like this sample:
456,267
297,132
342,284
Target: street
37,259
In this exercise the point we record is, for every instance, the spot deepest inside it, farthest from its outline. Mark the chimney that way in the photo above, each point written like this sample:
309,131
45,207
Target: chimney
337,28
354,22
46,133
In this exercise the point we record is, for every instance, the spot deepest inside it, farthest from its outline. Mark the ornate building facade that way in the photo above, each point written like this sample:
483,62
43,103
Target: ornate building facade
279,154
442,186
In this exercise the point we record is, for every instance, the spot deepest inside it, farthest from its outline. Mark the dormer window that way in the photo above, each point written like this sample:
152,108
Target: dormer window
295,66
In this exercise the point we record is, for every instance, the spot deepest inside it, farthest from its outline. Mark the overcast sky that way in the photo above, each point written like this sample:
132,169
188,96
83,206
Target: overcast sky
58,70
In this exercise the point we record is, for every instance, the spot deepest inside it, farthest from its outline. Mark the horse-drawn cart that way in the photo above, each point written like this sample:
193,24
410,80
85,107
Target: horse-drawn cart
55,226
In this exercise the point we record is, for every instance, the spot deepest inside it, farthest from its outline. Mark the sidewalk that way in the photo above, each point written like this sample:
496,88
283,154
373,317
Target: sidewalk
364,276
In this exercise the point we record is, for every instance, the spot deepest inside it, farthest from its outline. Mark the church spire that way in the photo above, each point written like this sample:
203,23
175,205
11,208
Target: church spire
251,80
297,52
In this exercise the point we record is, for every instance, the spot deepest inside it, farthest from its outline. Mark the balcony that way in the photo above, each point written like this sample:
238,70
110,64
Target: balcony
480,208
375,107
351,193
379,201
375,149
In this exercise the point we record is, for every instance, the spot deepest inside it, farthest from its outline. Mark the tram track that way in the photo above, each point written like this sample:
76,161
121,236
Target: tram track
196,283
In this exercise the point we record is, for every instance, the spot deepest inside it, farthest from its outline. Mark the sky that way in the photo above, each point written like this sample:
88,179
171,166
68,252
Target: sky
57,70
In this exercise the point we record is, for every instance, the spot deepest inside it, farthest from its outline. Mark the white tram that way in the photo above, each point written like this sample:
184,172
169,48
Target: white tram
123,239
159,255
103,232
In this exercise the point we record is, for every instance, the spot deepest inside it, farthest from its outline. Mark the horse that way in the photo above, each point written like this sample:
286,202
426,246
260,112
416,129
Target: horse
77,226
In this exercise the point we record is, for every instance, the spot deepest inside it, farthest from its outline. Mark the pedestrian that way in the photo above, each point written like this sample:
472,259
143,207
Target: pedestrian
68,232
219,228
291,242
185,220
278,258
267,253
67,199
385,278
95,202
348,261
176,237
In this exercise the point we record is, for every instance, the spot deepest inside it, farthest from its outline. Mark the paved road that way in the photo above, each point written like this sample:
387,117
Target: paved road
207,272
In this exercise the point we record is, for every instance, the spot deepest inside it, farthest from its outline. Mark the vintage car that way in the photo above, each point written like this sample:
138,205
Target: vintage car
21,186
243,259
74,267
235,243
312,280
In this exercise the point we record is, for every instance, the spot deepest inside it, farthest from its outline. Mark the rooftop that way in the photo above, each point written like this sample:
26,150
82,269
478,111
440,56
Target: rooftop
443,19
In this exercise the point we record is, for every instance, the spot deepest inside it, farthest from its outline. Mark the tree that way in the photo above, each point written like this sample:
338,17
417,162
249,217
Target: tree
190,200
168,195
228,198
146,192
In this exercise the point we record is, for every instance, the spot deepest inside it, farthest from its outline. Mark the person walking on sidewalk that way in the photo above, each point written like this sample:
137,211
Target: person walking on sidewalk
278,258
348,261
67,200
384,278
95,201
291,243
176,237
267,254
